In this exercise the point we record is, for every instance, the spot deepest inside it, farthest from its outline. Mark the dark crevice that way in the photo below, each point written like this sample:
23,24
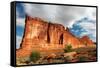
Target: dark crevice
48,36
61,39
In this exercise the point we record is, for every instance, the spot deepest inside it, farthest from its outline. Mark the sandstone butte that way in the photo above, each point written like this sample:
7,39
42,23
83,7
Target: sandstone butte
47,37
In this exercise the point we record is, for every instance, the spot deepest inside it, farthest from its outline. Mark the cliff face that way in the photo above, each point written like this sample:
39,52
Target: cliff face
43,36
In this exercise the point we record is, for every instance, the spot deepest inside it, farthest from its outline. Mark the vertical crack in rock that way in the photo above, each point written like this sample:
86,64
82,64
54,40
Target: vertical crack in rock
61,39
48,37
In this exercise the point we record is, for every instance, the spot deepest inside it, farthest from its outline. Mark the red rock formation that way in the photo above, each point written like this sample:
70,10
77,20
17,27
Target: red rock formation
69,38
86,41
43,36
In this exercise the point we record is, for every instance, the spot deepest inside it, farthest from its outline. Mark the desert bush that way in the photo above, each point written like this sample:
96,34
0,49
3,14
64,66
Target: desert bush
82,58
68,48
34,56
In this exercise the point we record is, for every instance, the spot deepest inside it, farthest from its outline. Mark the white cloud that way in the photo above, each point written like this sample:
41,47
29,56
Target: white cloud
18,41
91,13
20,21
66,15
90,29
87,25
84,33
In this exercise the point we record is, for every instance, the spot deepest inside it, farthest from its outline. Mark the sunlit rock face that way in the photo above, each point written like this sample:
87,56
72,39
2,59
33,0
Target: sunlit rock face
46,37
85,40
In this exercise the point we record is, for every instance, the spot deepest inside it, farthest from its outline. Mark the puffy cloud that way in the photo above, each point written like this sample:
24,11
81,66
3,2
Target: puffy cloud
86,26
20,15
91,13
65,15
18,41
20,22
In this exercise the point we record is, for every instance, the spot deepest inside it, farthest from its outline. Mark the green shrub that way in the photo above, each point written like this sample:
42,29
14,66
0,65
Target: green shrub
68,48
82,58
34,56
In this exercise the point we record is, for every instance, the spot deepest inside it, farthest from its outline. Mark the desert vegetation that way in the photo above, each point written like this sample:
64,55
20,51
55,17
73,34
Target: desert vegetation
69,54
68,48
34,56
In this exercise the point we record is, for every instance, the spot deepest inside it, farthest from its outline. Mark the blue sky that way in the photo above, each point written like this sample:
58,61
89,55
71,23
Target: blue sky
80,20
